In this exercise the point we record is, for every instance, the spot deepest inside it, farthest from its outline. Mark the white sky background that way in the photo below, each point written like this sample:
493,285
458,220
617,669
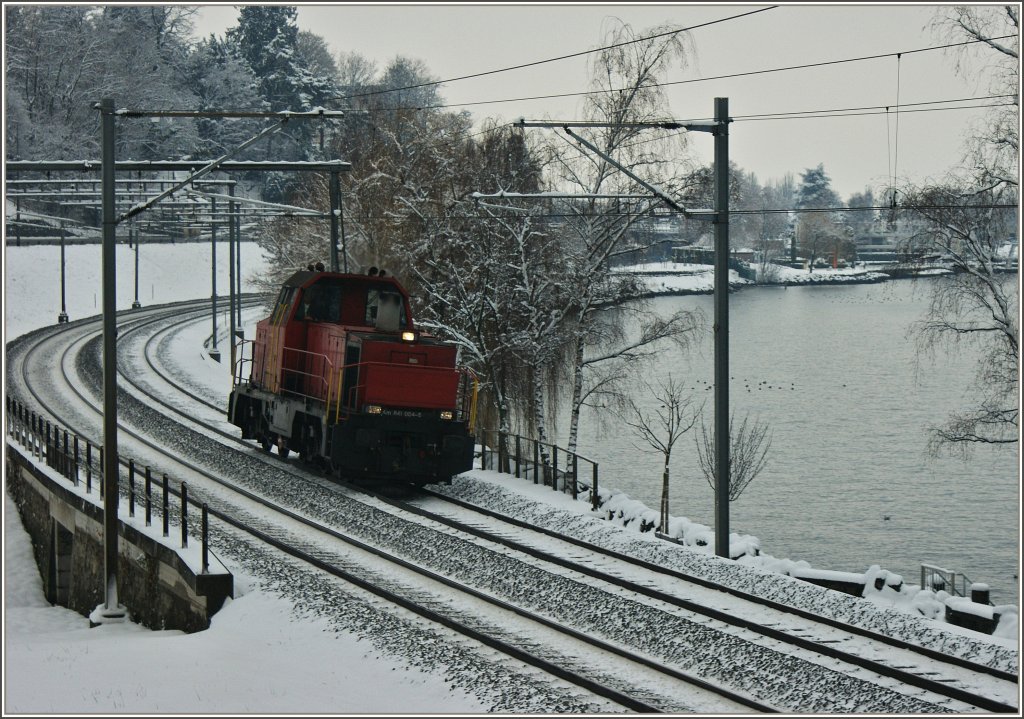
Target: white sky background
459,40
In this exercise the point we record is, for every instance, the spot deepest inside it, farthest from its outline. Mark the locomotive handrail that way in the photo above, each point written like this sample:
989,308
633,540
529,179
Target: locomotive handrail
324,377
241,361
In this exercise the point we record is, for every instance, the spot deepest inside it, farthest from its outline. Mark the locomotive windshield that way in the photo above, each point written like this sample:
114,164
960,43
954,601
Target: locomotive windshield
321,303
385,310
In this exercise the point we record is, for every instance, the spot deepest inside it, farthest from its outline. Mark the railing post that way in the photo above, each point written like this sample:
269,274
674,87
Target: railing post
67,456
102,475
167,508
88,467
65,452
519,452
575,469
47,449
593,490
483,448
206,535
76,461
554,468
131,487
55,449
184,515
502,439
149,496
536,461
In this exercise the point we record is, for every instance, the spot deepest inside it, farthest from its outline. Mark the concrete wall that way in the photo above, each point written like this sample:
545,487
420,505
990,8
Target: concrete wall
155,584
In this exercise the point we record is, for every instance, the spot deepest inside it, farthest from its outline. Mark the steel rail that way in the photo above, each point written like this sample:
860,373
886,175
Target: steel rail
901,675
541,663
882,669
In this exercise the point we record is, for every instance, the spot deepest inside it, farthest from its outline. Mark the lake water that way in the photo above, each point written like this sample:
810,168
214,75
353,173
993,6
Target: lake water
835,374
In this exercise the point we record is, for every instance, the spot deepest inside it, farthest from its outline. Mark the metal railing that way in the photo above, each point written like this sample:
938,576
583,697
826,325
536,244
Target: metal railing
313,380
542,462
939,579
78,461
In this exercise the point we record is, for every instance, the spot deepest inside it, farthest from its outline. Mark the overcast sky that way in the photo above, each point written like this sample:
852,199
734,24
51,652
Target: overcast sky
458,40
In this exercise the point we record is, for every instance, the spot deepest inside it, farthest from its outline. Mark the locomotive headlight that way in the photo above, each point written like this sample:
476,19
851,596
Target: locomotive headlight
447,414
374,409
408,336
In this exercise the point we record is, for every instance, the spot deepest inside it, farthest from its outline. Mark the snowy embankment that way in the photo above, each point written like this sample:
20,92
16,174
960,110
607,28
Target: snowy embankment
897,609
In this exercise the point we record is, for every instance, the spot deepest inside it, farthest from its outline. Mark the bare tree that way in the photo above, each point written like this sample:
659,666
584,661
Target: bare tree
626,79
968,218
748,453
992,147
977,304
669,422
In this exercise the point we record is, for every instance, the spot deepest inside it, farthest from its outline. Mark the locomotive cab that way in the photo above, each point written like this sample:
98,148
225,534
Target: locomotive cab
339,373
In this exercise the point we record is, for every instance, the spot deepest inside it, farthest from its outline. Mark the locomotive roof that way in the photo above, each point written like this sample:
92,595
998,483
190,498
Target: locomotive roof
304,278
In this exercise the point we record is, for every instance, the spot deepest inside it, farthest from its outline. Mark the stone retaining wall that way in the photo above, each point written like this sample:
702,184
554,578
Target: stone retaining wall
155,584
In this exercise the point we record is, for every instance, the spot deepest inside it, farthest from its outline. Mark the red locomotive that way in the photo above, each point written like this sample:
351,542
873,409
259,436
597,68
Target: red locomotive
340,374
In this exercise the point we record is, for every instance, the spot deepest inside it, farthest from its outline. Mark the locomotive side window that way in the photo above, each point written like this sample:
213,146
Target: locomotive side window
284,301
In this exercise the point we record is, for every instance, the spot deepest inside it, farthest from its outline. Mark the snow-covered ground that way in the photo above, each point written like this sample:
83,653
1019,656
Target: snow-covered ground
260,655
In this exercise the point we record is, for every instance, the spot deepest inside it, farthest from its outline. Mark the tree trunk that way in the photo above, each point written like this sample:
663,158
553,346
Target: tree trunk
577,391
664,498
538,418
503,432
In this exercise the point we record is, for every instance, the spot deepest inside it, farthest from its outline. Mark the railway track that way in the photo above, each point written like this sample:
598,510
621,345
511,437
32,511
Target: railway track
716,640
319,551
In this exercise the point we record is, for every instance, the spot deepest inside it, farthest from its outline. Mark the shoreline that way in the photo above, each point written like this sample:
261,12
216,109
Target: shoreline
698,282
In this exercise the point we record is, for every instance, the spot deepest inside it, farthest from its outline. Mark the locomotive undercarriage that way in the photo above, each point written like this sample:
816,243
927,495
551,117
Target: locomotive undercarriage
388,447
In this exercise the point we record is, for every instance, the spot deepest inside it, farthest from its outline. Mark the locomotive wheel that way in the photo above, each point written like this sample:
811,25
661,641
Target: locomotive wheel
310,453
282,447
265,442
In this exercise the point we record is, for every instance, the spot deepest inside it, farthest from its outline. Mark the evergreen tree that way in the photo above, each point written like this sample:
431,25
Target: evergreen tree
267,39
222,81
816,189
820,234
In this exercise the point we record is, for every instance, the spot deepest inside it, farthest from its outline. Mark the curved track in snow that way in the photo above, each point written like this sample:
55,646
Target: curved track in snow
503,575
